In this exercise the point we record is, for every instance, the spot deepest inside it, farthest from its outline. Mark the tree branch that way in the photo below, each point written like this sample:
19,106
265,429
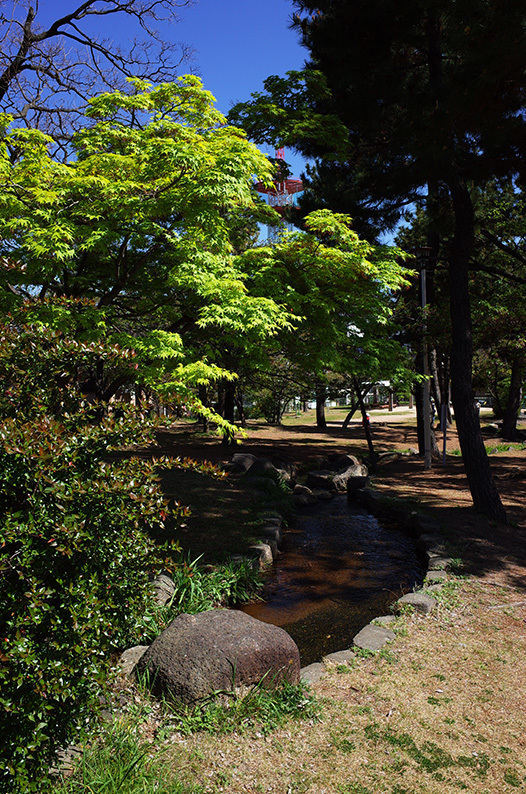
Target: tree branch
35,66
508,249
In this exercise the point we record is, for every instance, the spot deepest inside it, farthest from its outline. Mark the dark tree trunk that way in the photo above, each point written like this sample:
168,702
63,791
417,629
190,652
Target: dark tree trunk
420,414
367,427
220,405
444,392
485,496
435,380
354,407
203,396
226,401
321,396
509,423
241,409
228,408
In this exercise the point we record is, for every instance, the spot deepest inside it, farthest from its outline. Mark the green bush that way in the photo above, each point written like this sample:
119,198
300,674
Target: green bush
75,551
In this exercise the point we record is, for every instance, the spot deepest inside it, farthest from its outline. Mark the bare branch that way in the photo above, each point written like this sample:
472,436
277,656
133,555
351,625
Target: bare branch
47,74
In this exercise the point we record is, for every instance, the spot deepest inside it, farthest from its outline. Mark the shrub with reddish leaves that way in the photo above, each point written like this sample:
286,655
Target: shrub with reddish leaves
75,548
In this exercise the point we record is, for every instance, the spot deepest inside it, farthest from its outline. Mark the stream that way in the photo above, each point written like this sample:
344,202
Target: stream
338,569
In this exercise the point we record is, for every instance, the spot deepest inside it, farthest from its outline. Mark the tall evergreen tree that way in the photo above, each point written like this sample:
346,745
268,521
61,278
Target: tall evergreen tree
431,94
435,91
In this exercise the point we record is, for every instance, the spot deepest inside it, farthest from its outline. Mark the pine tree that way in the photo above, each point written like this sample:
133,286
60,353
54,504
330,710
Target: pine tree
431,94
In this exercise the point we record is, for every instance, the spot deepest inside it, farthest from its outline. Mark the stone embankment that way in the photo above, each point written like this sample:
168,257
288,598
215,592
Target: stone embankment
431,544
271,485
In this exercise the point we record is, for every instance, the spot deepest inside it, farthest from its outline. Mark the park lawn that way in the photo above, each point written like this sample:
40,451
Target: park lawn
441,709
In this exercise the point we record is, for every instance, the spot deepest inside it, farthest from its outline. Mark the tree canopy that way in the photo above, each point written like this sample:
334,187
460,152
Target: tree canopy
339,287
431,100
133,233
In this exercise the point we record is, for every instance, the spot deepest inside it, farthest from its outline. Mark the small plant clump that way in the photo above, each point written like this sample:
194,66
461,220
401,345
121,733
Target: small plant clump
120,762
261,707
198,589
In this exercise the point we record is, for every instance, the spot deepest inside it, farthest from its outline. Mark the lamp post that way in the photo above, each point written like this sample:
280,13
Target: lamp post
422,257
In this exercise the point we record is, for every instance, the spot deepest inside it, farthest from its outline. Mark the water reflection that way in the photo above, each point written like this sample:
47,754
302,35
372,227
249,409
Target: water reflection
339,569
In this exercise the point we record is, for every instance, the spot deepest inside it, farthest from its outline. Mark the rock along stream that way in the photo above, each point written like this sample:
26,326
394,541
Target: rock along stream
339,568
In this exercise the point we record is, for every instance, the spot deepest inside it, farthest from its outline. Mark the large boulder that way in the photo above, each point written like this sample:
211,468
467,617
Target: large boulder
262,467
244,459
287,471
358,472
337,462
320,479
240,463
218,650
325,478
355,484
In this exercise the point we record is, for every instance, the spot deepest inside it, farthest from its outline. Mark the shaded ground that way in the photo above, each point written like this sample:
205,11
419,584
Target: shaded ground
487,549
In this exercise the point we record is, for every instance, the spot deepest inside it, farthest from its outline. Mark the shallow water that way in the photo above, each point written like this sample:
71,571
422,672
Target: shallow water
338,569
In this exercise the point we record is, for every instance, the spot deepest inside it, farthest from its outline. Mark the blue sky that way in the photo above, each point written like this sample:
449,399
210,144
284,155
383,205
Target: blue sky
238,44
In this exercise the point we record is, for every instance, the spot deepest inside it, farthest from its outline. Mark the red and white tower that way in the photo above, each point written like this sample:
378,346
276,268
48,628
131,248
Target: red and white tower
282,193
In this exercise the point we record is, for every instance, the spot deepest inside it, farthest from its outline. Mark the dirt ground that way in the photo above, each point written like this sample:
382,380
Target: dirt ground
488,549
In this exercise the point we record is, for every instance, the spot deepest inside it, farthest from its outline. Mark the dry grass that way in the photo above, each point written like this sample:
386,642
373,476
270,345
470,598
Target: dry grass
443,709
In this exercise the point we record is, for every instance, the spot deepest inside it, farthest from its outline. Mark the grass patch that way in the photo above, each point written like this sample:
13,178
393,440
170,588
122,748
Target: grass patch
119,762
449,594
496,449
504,447
512,778
261,708
429,757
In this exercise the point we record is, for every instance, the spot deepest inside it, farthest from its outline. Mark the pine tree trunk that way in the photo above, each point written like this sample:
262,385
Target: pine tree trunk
444,392
498,410
420,418
485,496
509,423
435,380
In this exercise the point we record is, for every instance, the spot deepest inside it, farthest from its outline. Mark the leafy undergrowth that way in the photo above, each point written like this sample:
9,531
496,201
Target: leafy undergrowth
198,589
439,710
